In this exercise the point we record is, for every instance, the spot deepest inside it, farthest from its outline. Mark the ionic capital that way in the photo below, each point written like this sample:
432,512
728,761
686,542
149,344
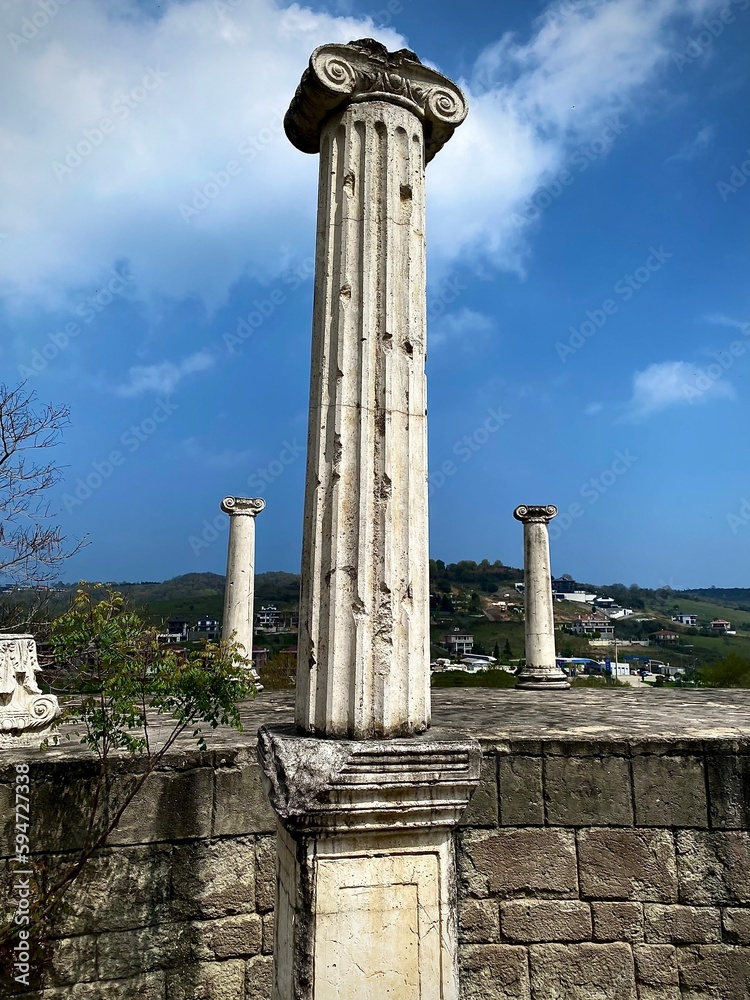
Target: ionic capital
365,70
243,505
535,515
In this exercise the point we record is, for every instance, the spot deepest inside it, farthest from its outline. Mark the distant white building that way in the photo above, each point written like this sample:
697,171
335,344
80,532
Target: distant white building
593,623
719,625
458,643
691,620
579,595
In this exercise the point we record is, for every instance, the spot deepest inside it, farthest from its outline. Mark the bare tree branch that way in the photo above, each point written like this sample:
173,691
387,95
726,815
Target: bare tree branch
30,550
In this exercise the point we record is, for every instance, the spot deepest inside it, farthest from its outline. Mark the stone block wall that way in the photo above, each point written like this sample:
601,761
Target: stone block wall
587,871
179,906
607,871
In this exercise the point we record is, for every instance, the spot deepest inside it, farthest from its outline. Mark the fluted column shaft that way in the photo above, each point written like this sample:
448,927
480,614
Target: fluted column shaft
364,617
239,592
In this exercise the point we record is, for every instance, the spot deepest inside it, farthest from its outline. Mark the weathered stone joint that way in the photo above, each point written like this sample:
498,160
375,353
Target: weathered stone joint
365,70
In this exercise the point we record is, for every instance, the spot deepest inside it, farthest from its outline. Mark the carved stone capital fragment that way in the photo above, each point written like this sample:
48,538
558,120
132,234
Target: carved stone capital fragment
243,505
365,70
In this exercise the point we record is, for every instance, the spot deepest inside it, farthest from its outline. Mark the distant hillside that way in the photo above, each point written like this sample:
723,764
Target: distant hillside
731,597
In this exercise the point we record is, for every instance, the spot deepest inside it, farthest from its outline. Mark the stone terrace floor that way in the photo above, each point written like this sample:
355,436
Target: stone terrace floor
493,715
581,713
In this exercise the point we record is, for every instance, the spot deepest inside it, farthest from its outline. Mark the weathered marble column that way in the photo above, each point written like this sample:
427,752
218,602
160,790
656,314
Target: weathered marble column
25,713
541,670
239,591
375,117
365,892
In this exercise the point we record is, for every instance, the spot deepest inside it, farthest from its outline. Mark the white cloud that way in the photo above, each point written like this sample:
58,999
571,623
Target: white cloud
674,383
464,325
695,146
592,409
182,93
720,319
163,378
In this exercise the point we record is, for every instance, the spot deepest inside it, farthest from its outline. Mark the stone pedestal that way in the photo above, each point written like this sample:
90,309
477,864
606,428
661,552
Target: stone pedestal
24,711
365,903
375,117
239,591
541,670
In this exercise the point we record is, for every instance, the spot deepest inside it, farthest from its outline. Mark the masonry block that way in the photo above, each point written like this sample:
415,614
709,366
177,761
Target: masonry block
482,808
729,789
737,925
714,866
682,924
669,790
617,921
656,964
494,972
478,921
582,972
265,874
518,862
228,937
588,791
521,791
627,864
209,981
242,807
258,978
712,970
535,920
121,953
171,806
212,880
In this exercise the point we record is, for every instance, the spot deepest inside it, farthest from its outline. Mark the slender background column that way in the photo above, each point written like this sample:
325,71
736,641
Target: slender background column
541,670
239,592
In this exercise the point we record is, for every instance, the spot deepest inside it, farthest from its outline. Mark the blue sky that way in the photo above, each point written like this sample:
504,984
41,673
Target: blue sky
589,334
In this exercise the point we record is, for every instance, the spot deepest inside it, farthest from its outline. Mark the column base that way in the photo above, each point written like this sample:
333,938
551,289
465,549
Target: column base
542,680
365,889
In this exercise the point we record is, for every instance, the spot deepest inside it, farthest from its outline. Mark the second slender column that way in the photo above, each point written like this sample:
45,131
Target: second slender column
541,670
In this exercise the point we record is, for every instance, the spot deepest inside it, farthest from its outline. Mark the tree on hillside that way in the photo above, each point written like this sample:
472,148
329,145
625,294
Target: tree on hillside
32,546
732,671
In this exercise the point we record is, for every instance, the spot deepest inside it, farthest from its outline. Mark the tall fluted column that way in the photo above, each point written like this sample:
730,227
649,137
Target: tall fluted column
239,592
541,670
375,117
365,892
